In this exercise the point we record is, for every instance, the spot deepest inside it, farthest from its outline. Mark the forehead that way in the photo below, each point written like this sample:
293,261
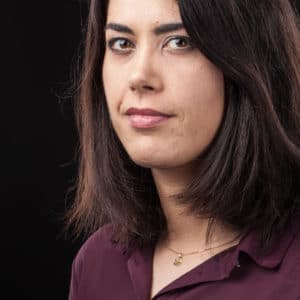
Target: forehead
143,12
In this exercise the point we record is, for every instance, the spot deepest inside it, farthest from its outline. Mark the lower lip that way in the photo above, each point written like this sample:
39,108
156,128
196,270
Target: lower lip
142,121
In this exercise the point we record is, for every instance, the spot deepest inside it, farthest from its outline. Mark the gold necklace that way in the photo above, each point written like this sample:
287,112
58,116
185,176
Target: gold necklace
179,258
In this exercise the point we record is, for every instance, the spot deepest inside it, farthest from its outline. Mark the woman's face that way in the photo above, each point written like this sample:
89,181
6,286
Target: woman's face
165,99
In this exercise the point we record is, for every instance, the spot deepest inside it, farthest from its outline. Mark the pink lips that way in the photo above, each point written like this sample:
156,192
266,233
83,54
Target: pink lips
145,118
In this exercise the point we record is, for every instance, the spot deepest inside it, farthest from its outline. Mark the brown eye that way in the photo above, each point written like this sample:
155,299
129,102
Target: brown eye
179,42
120,44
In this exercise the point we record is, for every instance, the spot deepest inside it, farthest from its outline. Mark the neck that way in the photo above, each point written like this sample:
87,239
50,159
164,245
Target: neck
185,231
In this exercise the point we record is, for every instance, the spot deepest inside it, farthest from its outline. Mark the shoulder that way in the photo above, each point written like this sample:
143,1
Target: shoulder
97,253
286,280
99,241
282,256
99,244
99,258
292,254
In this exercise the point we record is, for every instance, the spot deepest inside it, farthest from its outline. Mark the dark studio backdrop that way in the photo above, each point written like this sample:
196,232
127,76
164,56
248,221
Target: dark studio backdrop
39,44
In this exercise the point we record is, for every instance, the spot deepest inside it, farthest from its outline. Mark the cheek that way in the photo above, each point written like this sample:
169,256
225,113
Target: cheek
200,98
193,91
112,80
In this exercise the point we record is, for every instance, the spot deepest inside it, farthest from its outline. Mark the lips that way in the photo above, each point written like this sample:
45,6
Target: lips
145,118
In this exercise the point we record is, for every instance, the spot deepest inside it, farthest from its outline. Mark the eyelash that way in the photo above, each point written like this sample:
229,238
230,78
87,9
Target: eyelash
182,38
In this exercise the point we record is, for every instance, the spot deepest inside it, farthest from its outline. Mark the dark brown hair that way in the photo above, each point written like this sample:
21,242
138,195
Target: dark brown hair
249,175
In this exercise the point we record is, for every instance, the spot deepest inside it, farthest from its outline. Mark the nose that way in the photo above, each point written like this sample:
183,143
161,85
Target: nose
145,76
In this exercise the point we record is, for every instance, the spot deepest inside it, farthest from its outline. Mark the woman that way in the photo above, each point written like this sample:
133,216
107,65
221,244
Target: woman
188,113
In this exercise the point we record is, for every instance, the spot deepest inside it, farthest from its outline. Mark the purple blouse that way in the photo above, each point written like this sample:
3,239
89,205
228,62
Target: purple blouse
105,270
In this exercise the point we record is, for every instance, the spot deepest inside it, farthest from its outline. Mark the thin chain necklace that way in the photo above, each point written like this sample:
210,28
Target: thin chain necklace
179,255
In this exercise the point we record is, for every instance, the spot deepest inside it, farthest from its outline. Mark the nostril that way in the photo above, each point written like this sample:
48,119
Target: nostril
140,88
147,87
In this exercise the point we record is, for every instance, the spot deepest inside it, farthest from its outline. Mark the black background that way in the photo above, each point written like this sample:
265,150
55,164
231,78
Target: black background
39,45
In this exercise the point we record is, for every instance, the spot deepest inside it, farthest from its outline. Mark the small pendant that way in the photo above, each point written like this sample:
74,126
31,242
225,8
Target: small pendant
178,260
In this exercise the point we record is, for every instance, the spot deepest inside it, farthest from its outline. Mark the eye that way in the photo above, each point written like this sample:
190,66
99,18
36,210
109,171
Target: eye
120,44
179,42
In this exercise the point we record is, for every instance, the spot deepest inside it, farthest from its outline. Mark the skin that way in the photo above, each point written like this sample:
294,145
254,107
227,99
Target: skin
184,83
165,73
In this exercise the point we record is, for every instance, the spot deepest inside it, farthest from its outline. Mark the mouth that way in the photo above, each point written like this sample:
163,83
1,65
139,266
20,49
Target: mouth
146,118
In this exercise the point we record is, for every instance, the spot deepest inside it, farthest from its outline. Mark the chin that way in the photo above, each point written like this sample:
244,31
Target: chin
156,162
145,161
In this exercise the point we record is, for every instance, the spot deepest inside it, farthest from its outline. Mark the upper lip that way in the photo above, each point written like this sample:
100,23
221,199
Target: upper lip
145,112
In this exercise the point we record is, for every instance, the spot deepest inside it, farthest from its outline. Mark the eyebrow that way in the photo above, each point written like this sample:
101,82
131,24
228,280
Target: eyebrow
164,28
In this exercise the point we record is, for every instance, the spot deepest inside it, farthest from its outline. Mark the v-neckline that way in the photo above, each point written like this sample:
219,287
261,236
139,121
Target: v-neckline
188,275
140,267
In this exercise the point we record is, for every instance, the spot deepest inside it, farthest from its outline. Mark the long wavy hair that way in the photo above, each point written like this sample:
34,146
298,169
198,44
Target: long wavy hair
249,175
